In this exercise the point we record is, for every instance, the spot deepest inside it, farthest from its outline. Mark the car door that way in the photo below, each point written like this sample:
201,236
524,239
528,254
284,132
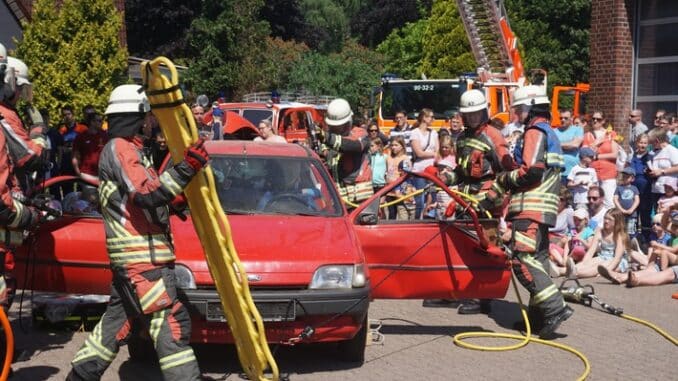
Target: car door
65,253
430,258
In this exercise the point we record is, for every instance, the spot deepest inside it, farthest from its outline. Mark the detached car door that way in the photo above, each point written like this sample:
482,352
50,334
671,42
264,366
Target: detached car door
430,258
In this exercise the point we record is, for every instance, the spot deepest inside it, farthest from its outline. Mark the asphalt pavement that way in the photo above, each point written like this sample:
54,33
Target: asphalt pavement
417,345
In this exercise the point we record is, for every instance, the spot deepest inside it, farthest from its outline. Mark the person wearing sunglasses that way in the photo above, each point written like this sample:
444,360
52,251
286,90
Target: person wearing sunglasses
597,209
637,126
570,137
602,142
373,131
658,116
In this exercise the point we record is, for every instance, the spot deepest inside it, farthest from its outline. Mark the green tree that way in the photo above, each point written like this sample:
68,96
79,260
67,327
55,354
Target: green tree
350,74
378,18
220,42
446,50
554,35
327,21
73,53
403,50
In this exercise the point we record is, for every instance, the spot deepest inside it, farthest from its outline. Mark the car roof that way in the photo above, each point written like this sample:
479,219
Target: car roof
238,147
262,105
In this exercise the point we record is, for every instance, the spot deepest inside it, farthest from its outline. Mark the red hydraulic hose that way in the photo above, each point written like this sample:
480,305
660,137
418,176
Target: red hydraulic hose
9,342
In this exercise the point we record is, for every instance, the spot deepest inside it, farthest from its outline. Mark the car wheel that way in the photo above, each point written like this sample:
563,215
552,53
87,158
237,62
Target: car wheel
353,350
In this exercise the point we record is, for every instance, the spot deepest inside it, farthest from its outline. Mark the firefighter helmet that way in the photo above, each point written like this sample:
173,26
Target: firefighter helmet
20,70
128,99
338,113
530,95
472,100
3,55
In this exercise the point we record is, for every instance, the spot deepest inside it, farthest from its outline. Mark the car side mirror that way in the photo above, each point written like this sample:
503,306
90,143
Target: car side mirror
367,219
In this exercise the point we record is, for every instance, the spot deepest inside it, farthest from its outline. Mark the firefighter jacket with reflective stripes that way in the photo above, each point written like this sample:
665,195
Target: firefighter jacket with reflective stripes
347,156
25,147
134,203
482,153
535,184
13,214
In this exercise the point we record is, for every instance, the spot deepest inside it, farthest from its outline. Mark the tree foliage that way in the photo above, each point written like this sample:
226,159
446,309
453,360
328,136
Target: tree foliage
220,42
446,50
285,19
378,18
158,27
554,35
403,50
350,74
327,22
73,53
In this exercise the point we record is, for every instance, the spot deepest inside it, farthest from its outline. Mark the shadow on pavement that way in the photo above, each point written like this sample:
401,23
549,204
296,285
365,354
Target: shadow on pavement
35,373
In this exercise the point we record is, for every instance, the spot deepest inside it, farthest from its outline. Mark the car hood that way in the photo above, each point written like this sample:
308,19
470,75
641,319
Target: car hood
276,250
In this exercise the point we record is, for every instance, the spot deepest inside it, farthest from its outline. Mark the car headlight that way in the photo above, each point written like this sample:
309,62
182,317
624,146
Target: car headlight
184,277
338,276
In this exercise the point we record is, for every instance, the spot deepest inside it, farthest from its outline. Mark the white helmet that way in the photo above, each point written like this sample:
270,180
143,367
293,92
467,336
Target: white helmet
530,95
127,99
20,71
3,55
338,113
472,101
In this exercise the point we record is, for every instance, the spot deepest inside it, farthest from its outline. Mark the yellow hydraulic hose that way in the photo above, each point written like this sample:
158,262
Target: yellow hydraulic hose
523,339
177,123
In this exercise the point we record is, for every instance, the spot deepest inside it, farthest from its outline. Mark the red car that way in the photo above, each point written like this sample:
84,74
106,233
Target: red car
308,261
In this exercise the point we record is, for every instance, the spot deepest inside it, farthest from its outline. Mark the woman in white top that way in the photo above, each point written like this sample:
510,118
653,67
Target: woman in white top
267,133
424,142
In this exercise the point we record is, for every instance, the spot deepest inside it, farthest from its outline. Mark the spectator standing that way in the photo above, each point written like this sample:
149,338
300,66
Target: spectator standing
637,126
657,118
62,143
597,208
639,162
606,149
424,141
446,153
664,164
627,199
87,148
267,133
581,177
397,155
403,129
159,150
571,138
377,163
199,116
374,132
512,126
456,127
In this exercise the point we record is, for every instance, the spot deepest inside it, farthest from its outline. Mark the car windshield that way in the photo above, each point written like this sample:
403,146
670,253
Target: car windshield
257,115
412,96
274,185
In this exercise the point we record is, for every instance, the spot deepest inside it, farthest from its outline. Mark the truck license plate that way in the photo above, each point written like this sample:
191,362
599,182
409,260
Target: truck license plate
270,312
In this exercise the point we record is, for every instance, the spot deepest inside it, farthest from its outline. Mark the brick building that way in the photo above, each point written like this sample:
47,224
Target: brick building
634,58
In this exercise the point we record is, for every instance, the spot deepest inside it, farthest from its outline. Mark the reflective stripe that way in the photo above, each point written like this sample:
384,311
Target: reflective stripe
544,294
177,359
525,240
94,347
105,191
13,237
153,294
358,192
141,256
156,325
337,142
526,258
3,285
20,210
168,181
477,144
119,243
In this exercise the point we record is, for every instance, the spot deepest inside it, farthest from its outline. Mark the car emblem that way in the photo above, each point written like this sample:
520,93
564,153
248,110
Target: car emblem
253,277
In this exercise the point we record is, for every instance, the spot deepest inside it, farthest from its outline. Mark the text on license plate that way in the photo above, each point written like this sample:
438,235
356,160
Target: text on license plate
274,311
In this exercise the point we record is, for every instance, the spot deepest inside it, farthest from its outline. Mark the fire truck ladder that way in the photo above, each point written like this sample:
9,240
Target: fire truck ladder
493,44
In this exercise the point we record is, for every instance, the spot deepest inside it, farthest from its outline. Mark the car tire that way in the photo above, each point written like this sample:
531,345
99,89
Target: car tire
353,350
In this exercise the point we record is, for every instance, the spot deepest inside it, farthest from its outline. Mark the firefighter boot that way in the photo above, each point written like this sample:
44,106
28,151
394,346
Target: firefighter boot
536,318
552,323
474,306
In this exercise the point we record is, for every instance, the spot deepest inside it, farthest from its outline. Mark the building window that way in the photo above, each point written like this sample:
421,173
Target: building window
656,57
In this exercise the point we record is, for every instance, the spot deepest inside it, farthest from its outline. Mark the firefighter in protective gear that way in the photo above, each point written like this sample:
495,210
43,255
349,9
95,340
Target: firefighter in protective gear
18,151
533,206
134,201
482,153
345,149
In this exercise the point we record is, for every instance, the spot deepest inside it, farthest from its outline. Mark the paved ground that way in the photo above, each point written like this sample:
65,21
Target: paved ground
418,346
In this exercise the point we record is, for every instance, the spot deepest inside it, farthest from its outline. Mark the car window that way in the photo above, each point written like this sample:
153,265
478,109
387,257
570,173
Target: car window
274,185
257,115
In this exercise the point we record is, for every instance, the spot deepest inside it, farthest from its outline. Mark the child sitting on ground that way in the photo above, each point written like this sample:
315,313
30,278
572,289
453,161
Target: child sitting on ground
670,197
581,236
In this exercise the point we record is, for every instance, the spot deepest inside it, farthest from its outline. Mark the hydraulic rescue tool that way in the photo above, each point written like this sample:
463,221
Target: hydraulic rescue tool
177,123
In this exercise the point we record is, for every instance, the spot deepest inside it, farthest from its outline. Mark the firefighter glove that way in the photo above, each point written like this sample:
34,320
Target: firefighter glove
196,156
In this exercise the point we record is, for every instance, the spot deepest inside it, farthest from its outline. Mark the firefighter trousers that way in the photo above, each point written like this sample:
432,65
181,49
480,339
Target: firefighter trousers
169,328
530,264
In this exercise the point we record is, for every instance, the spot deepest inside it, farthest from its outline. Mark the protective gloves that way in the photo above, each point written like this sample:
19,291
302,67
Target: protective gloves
196,156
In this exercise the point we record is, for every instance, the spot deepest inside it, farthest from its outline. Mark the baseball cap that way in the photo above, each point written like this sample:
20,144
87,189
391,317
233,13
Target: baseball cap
586,152
629,171
581,213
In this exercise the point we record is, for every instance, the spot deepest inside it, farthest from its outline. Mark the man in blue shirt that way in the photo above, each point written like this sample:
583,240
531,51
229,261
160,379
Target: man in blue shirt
570,137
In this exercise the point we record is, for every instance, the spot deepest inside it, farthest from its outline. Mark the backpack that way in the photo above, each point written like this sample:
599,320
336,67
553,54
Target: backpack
554,152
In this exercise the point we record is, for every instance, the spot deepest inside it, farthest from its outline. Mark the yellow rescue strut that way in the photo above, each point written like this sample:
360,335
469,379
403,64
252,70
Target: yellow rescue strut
230,279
